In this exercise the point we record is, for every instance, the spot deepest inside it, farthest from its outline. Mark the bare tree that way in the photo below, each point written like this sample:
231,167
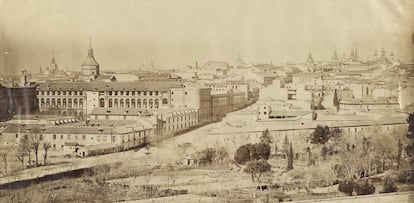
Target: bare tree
4,155
34,146
22,150
46,147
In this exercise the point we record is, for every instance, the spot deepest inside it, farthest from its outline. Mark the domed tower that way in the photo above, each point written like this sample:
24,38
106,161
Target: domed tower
90,67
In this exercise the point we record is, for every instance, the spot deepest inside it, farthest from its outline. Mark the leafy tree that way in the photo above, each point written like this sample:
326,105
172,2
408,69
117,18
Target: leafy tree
346,187
207,156
261,151
265,138
256,168
320,135
290,158
365,188
34,146
389,185
250,152
243,154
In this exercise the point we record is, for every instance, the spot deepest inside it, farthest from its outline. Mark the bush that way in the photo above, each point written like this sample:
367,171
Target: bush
346,187
389,185
365,188
405,176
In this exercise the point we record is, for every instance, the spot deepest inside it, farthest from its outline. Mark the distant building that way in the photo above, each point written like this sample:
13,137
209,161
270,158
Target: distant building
90,67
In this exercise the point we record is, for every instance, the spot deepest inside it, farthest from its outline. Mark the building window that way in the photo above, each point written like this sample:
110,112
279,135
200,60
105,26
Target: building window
150,93
110,103
61,137
76,137
164,101
54,137
68,137
145,93
83,137
101,102
104,138
98,138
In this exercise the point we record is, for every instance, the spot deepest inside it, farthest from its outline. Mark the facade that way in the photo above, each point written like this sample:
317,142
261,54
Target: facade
81,98
165,122
72,138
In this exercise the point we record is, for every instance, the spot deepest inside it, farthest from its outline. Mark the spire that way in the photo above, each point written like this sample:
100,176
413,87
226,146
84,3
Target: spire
310,59
335,56
90,59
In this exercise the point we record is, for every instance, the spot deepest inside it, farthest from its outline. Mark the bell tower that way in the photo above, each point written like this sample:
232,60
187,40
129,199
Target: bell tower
90,66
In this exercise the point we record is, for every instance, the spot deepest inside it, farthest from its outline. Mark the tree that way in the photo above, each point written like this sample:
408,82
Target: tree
336,100
290,158
243,154
399,153
285,147
4,157
34,142
320,135
265,138
250,152
256,168
346,187
389,185
207,156
22,150
410,134
221,153
365,188
261,151
46,147
34,146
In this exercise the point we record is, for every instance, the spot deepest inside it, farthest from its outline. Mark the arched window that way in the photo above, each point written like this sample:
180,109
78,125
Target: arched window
64,103
116,103
127,103
110,103
121,103
42,102
144,103
101,102
47,102
156,103
53,102
165,101
59,103
150,104
133,103
75,103
70,103
139,103
80,103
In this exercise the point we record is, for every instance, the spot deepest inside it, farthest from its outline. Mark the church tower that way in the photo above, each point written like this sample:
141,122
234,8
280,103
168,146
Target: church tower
335,56
310,59
90,68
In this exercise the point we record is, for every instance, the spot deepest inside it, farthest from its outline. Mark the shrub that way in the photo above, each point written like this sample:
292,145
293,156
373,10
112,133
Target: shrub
365,188
389,185
346,187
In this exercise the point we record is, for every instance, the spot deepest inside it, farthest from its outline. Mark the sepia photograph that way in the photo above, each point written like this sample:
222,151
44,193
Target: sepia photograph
192,101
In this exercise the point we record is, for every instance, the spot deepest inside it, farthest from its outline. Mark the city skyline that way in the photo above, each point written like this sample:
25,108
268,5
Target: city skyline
171,35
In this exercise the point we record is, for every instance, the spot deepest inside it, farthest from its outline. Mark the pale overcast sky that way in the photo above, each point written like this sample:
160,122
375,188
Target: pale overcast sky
130,33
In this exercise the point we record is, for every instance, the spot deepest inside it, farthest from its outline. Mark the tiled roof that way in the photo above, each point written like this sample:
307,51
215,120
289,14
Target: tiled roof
109,86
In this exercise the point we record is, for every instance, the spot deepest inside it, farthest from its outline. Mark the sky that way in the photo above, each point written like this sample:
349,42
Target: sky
170,34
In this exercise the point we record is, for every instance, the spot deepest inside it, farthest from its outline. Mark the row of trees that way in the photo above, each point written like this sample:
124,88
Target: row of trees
29,145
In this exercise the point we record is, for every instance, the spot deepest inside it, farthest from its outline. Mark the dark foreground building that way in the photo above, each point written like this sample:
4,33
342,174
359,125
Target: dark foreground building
17,101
